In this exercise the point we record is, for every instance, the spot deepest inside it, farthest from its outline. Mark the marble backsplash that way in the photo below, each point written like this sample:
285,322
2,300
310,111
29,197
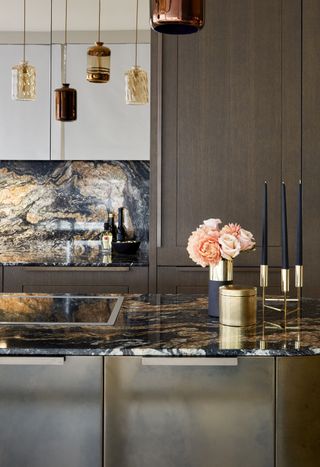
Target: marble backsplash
46,204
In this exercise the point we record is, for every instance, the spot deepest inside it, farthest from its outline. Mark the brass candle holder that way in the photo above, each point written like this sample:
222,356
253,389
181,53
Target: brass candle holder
285,288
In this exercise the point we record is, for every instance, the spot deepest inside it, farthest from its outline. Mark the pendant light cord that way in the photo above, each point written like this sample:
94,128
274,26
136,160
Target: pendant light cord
136,47
66,24
65,43
99,22
24,30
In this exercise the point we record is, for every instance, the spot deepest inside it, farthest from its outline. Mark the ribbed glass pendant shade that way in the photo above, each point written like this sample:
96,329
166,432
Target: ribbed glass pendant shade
23,75
66,103
98,63
24,82
177,16
137,91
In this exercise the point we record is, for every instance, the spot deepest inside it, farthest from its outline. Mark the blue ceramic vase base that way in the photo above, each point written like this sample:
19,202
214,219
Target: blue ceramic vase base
213,297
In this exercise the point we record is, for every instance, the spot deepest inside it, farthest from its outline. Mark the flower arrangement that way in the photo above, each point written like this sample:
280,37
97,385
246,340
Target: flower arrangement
209,244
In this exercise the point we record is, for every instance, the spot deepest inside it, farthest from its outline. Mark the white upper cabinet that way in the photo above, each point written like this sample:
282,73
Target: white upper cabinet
25,125
106,128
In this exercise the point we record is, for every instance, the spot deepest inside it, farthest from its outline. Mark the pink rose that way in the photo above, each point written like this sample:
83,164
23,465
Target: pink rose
210,250
232,229
230,246
246,239
212,223
203,247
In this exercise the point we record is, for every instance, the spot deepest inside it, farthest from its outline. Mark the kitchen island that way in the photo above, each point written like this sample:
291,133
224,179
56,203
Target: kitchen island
164,386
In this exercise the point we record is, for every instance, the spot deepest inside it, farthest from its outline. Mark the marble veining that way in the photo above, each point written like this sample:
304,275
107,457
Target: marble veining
173,325
44,204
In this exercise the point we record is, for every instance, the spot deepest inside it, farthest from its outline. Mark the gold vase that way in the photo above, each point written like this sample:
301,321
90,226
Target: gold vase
220,274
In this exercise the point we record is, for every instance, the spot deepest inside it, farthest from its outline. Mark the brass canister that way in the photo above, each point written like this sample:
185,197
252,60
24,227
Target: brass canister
238,305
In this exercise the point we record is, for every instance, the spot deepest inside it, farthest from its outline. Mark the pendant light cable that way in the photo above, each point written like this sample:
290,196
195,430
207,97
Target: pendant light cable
24,30
65,43
99,22
136,47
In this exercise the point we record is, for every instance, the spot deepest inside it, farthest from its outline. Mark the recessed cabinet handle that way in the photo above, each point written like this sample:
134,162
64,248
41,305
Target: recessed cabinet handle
17,361
188,361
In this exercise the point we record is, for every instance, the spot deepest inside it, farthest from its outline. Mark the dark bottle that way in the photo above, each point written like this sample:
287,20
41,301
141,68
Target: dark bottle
121,235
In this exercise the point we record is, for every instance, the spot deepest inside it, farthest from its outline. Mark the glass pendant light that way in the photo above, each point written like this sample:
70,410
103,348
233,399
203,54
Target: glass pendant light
177,16
23,74
98,59
66,97
137,92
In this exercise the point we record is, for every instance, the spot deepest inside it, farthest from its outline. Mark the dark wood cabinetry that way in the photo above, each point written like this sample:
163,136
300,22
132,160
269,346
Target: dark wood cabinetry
75,280
311,144
231,118
184,279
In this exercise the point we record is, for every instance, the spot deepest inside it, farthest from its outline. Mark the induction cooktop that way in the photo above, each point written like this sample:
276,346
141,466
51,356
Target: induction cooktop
64,309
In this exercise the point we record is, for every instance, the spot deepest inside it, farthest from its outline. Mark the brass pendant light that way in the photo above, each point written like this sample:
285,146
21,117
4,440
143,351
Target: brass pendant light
23,74
136,79
66,97
177,16
98,59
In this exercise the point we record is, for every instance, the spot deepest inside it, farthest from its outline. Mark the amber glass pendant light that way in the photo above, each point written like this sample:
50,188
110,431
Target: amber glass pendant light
65,97
177,16
137,92
98,59
23,74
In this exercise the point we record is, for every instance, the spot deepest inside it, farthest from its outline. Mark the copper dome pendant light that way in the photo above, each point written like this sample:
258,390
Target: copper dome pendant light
98,59
136,79
177,16
66,97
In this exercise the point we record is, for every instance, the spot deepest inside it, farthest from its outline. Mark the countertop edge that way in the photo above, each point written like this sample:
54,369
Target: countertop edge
169,353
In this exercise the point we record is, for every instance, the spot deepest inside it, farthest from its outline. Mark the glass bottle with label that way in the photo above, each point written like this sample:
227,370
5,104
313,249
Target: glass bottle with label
112,226
106,237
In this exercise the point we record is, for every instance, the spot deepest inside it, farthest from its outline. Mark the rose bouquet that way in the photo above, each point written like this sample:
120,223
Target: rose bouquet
209,244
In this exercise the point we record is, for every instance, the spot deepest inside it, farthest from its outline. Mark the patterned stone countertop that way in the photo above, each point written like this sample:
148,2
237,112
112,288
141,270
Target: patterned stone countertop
66,258
158,325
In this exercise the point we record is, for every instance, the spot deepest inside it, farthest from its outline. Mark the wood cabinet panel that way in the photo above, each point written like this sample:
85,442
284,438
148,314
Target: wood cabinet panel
311,144
71,280
231,119
195,280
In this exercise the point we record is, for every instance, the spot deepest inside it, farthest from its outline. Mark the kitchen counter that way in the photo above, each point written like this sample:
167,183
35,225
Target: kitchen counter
81,257
167,325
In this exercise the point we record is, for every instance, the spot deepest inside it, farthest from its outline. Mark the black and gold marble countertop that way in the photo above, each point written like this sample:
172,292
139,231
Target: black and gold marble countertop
162,325
93,257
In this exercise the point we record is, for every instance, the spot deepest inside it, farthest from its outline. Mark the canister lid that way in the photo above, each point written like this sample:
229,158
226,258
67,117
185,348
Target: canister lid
237,291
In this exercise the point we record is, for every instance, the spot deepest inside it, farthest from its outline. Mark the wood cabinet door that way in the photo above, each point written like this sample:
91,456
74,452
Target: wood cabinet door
75,280
194,280
231,116
311,144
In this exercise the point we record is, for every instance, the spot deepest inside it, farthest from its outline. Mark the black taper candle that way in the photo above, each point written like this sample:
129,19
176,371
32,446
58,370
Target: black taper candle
264,251
284,229
299,245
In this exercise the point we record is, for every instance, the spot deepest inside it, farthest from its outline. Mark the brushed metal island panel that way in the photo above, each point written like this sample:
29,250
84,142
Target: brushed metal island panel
189,415
298,412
